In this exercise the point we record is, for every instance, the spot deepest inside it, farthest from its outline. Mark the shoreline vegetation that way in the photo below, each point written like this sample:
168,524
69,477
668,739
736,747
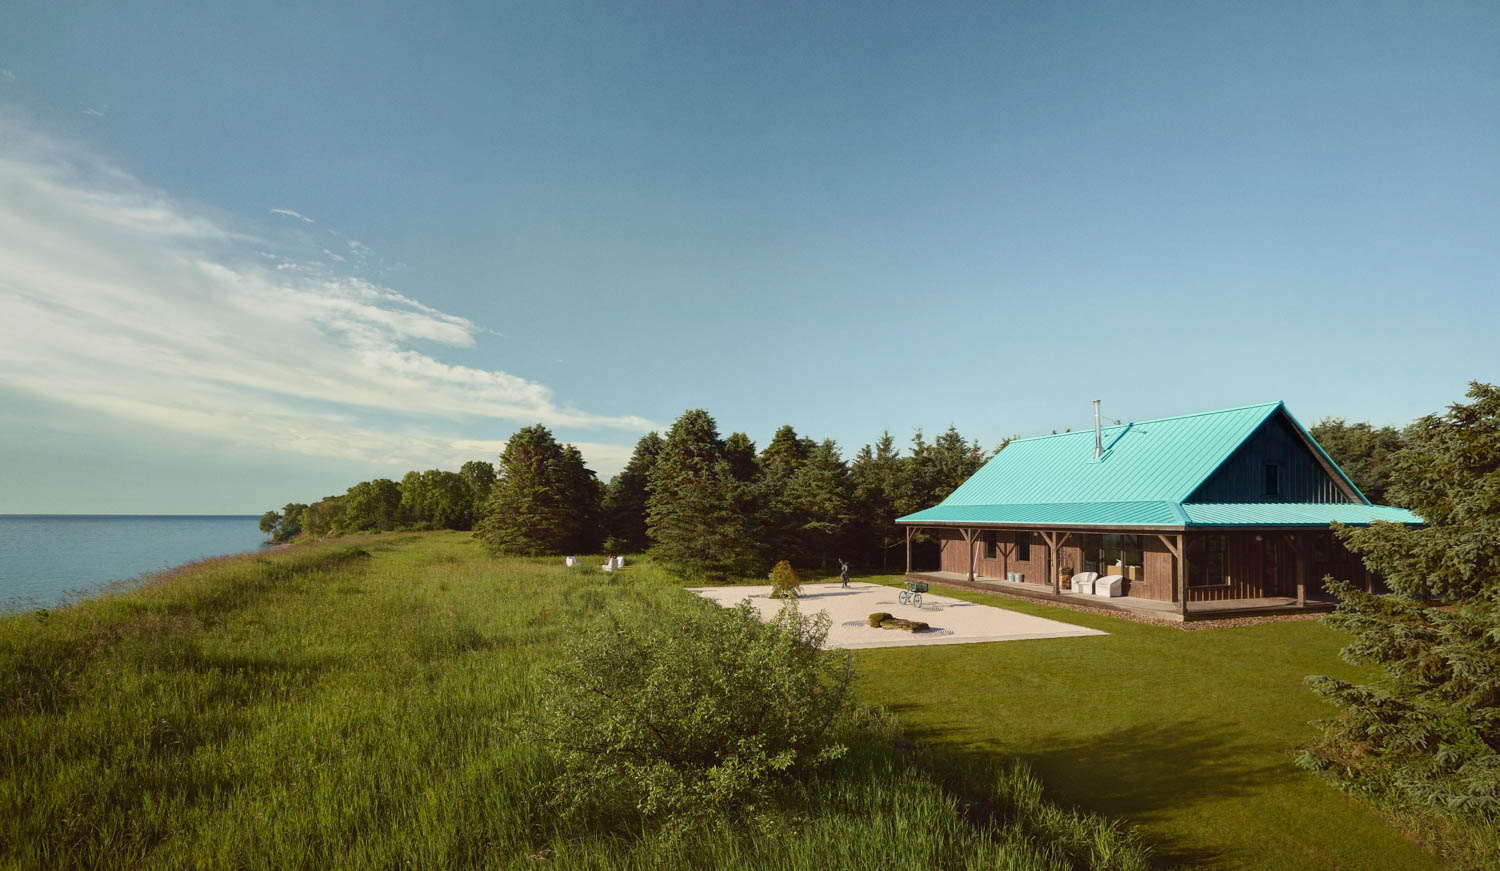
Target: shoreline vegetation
375,701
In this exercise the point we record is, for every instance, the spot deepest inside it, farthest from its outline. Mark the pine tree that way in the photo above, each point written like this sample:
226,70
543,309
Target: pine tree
625,498
695,507
1426,731
542,501
819,501
739,450
878,478
1364,453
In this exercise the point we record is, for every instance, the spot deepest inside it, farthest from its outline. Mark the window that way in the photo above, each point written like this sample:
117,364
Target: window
1273,479
1113,555
989,544
1205,555
1091,546
1023,547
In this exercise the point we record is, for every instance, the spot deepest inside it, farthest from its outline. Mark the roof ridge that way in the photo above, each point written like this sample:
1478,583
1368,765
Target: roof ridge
1151,420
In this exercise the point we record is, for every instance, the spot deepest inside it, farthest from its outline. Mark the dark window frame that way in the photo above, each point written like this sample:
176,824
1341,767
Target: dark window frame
990,537
1023,547
1271,480
1208,561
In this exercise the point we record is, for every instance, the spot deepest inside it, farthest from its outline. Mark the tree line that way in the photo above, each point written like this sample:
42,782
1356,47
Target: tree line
433,499
705,505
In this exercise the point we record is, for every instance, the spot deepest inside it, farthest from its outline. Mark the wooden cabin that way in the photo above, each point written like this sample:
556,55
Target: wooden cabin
1222,511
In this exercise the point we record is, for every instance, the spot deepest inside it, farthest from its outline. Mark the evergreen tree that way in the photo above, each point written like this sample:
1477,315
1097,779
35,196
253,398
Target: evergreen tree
696,510
786,452
625,498
544,500
878,478
1426,731
819,500
739,451
583,495
1364,453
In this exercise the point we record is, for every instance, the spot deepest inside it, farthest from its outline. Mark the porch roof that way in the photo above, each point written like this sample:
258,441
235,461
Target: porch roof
1161,513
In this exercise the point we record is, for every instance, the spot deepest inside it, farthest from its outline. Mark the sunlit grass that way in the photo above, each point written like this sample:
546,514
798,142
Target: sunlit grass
368,703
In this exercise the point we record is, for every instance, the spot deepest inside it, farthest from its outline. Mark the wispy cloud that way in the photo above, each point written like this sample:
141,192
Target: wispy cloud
92,112
292,214
6,77
116,298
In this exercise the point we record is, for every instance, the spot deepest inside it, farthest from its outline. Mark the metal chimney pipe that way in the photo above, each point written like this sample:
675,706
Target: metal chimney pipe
1098,433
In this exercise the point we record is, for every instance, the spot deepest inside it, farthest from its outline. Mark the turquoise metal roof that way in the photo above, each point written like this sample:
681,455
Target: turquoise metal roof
1291,514
1146,472
1057,514
1152,461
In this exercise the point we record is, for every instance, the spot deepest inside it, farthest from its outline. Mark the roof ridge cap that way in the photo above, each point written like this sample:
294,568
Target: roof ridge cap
1054,435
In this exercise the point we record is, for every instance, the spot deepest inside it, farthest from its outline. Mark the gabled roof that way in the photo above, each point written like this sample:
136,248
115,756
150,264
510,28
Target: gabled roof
1147,471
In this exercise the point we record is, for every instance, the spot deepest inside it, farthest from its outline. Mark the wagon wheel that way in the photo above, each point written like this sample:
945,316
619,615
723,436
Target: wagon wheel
916,599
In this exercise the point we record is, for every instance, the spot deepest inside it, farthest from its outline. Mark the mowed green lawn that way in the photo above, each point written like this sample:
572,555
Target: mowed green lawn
1187,734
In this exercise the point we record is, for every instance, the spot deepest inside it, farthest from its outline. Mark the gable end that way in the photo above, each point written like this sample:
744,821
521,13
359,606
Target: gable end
1276,464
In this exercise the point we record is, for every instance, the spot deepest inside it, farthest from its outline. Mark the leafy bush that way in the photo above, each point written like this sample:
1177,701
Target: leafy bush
784,582
674,716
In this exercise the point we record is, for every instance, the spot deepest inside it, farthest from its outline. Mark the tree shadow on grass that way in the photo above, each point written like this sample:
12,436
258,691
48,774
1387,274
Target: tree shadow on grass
1145,774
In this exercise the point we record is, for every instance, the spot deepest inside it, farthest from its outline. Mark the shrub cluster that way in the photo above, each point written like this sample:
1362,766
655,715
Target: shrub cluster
670,717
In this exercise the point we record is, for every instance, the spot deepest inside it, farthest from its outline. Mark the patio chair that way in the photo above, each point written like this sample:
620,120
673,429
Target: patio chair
1110,586
1083,582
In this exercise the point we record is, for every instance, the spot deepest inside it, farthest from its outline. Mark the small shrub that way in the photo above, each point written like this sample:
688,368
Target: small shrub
878,618
784,582
676,716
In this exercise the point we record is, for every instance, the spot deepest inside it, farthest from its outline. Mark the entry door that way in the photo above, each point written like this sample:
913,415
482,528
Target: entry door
1271,567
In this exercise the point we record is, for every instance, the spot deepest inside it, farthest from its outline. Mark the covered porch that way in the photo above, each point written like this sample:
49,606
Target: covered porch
1261,606
1178,574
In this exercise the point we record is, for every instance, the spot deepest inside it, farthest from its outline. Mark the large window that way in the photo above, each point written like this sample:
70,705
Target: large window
1206,558
989,544
1113,555
1023,547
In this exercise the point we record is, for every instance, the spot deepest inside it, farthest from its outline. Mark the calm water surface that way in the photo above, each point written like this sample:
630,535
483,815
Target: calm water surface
45,556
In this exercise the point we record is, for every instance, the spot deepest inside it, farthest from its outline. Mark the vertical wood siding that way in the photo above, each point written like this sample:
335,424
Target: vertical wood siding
1242,477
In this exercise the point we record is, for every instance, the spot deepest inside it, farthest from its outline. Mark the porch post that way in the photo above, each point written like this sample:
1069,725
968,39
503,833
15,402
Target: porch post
1182,576
969,536
908,550
1051,539
1302,567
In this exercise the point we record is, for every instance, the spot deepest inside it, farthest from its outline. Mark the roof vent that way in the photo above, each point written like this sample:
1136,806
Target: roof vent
1098,433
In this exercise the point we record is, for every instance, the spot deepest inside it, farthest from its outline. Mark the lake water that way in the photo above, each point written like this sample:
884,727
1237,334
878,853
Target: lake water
45,556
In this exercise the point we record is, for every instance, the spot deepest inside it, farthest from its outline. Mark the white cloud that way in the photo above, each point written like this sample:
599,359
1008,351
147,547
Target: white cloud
292,214
91,111
6,76
115,298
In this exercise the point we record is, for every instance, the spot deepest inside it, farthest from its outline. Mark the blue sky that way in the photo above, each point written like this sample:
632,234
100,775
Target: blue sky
253,253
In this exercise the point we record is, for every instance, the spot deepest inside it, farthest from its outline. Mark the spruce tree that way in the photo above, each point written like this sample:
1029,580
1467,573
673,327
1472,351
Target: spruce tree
1363,451
819,501
695,508
739,450
540,502
1425,732
625,498
877,476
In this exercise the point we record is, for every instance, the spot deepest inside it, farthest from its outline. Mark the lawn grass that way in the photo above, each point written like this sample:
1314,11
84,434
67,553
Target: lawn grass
1187,734
366,704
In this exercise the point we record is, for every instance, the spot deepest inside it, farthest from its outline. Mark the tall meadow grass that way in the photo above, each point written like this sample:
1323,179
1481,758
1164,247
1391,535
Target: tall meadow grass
371,703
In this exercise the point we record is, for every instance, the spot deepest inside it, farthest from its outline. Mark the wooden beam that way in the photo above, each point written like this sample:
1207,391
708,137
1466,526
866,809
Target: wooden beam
1174,549
908,549
1302,567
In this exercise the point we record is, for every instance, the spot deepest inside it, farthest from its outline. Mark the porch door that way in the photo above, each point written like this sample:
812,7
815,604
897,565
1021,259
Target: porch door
1272,567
